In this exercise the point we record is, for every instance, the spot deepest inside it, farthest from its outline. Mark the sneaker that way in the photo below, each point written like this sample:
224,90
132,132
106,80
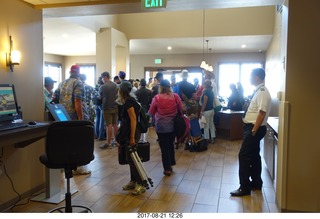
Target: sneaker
131,185
114,144
105,145
139,189
81,172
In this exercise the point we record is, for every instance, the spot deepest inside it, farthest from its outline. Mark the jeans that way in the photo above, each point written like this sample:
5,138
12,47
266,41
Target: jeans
99,124
166,141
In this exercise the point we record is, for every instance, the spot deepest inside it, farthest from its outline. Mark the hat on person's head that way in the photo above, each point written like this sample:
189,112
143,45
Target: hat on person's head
173,77
165,83
75,69
49,80
158,75
125,86
143,82
184,74
122,74
105,74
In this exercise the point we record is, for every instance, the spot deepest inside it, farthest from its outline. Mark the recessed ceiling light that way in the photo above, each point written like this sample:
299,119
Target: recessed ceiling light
169,48
243,46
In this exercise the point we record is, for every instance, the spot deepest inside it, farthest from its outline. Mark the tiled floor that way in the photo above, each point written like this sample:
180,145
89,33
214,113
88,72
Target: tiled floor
201,183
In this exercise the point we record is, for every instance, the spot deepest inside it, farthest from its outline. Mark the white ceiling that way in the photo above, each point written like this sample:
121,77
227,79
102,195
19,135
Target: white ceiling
67,32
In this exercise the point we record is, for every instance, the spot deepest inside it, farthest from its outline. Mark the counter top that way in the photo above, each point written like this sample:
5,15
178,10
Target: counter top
273,122
228,111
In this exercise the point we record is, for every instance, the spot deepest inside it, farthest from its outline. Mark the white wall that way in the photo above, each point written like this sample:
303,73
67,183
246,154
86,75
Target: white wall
24,24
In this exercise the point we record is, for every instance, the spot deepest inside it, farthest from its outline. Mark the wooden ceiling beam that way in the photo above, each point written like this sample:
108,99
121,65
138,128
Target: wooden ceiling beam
87,3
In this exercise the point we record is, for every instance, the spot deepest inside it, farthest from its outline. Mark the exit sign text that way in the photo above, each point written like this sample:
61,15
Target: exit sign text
154,3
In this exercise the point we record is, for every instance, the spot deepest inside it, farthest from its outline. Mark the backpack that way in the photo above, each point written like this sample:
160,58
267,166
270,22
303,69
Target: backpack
199,146
181,125
143,120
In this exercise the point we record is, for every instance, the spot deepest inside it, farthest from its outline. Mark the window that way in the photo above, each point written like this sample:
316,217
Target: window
233,73
90,71
194,72
54,71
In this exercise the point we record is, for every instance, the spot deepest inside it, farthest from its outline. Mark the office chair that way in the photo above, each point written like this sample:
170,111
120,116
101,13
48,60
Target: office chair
69,144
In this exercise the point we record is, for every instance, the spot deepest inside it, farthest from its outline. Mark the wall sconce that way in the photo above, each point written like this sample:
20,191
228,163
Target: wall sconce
13,57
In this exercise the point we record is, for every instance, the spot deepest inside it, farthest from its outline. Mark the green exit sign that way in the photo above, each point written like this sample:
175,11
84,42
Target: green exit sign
154,3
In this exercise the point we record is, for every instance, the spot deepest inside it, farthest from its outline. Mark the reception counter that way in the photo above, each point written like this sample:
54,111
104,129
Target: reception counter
230,125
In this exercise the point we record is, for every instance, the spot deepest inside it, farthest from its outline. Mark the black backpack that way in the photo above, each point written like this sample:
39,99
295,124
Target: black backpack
143,120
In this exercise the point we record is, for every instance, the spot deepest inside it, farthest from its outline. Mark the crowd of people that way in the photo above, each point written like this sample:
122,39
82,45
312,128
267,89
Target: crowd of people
112,104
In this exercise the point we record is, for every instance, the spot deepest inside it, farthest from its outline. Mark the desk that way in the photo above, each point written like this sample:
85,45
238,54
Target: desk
22,137
230,125
25,136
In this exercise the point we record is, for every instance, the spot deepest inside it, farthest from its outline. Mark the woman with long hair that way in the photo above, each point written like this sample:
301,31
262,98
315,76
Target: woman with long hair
206,102
164,107
129,112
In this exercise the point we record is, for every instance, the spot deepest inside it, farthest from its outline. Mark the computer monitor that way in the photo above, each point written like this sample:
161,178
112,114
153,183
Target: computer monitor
9,110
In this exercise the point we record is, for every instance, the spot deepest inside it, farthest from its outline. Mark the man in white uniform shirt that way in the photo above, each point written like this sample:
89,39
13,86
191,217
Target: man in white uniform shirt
255,121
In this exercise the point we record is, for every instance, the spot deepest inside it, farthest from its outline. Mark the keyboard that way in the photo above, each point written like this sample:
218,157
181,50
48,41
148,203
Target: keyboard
10,126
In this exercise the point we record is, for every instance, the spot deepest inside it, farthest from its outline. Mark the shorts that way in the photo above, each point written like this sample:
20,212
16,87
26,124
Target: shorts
110,116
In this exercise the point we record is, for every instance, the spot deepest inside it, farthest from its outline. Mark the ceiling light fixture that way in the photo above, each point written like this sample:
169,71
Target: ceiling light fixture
210,67
203,63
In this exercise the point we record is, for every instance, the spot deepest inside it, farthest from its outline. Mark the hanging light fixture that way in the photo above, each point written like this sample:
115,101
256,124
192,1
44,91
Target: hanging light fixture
203,63
210,68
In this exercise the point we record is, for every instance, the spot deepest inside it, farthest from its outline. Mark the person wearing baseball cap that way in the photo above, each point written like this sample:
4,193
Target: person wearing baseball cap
75,69
122,75
108,92
48,91
70,94
129,135
163,109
